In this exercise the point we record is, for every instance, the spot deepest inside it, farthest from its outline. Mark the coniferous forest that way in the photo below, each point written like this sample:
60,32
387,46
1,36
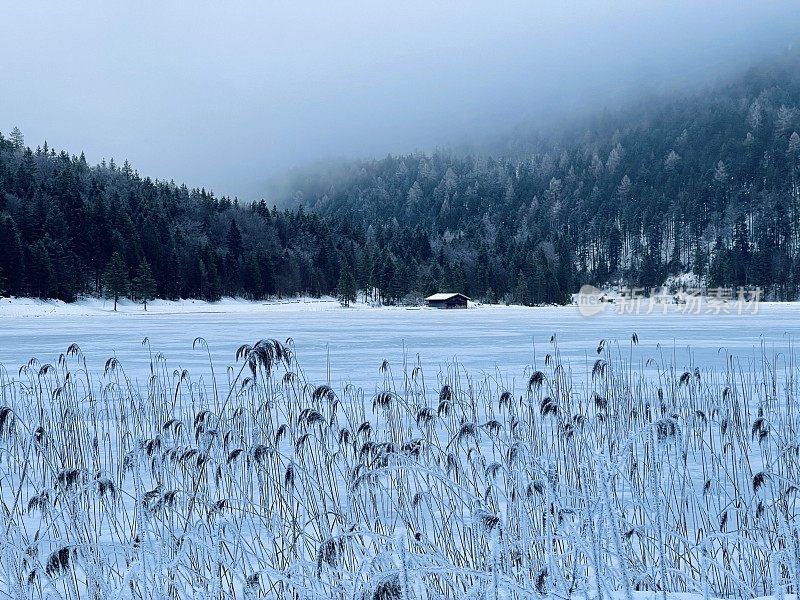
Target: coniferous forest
706,182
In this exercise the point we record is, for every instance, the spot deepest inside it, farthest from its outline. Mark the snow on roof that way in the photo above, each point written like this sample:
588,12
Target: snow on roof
444,296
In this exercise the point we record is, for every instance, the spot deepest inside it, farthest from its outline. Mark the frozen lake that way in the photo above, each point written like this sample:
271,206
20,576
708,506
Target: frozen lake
438,455
354,342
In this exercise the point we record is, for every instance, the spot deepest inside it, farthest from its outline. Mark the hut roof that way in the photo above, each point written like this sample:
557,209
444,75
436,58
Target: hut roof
442,296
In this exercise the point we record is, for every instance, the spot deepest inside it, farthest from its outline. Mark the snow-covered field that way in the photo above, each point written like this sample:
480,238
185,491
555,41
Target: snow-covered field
499,452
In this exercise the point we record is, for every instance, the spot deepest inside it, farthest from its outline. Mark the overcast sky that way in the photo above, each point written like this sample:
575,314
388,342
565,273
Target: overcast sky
227,94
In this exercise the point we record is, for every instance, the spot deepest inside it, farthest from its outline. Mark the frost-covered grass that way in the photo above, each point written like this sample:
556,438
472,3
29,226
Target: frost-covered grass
628,479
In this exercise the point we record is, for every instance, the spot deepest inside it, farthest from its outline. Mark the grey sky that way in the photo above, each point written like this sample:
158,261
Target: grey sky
226,94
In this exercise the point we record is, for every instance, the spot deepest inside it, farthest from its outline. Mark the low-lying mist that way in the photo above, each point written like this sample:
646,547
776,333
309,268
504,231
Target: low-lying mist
227,97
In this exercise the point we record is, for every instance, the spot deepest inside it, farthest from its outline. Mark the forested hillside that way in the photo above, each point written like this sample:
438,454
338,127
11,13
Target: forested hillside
707,183
62,221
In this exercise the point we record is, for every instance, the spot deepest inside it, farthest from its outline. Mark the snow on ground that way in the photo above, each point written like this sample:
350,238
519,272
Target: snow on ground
352,343
34,307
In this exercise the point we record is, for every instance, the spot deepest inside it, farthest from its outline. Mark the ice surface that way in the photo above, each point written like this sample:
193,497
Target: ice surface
354,342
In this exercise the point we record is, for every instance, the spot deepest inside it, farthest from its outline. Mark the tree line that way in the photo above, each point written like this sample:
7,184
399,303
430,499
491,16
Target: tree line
70,229
704,184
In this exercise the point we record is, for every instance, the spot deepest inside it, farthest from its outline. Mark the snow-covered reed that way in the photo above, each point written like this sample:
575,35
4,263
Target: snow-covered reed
265,485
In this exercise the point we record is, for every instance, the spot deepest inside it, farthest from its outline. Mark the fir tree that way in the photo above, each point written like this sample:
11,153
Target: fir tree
116,277
234,240
144,285
17,139
346,290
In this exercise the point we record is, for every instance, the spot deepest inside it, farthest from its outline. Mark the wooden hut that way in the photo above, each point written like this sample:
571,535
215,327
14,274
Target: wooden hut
445,300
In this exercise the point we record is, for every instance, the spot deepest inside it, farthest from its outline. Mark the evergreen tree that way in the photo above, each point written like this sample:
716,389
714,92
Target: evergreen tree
234,240
720,265
40,270
11,256
251,276
144,284
614,247
388,281
700,260
17,139
740,254
116,277
346,290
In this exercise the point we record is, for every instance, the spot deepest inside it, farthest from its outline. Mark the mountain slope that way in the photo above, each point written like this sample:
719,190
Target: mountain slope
707,182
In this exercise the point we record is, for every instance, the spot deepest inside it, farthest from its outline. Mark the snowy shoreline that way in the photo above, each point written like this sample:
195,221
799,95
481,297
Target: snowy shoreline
34,307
